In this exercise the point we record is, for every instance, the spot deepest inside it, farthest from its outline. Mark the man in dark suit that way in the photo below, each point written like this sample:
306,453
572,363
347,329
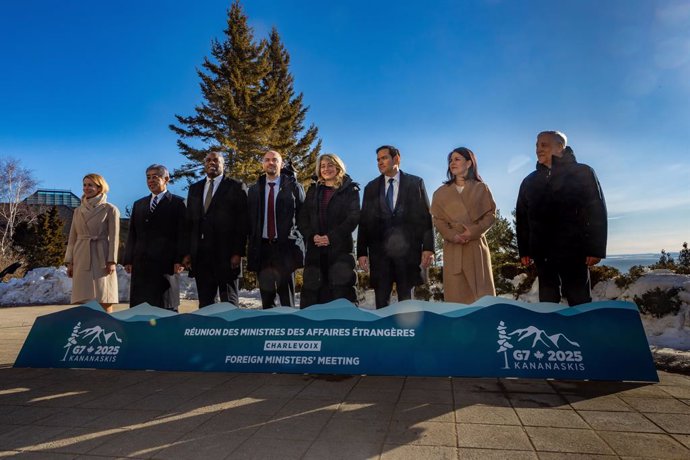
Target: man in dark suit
395,234
276,248
156,240
217,216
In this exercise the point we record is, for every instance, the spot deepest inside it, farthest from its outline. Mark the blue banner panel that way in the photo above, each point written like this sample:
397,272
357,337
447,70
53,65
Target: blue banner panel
493,337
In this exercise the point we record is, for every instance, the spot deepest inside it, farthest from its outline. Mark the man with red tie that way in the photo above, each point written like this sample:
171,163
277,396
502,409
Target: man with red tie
276,248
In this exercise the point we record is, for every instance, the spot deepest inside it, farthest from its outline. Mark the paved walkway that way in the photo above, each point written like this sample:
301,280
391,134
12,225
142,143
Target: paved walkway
62,414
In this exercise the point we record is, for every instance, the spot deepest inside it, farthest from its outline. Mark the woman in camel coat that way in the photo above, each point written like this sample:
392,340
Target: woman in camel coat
92,247
463,210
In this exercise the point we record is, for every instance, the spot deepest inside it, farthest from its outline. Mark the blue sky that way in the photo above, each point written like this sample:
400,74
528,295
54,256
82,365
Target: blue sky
92,86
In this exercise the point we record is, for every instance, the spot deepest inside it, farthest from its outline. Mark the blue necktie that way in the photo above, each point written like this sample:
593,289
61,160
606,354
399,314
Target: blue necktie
389,193
154,203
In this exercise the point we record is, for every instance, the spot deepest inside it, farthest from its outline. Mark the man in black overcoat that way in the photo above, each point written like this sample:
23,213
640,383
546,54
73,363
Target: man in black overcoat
217,218
156,242
395,237
561,221
276,248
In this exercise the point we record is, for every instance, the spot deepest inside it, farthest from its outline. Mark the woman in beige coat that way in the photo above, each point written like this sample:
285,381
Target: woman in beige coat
92,247
463,210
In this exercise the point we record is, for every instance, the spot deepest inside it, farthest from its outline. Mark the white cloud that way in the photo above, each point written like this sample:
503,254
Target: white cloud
640,201
672,53
677,13
518,162
679,168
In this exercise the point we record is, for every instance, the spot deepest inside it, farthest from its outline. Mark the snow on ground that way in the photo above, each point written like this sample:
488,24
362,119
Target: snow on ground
671,331
42,286
51,286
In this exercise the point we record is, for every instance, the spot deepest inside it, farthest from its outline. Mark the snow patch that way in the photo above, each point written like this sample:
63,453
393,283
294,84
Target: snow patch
46,286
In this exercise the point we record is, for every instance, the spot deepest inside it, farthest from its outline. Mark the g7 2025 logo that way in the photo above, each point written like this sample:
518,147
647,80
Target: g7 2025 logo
535,349
93,344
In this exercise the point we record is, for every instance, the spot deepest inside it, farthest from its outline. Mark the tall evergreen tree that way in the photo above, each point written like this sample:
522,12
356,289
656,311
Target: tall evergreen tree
42,242
231,89
249,106
502,240
505,264
288,134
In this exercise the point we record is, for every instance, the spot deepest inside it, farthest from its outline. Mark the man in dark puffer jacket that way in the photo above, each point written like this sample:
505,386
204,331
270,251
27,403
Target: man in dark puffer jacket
561,221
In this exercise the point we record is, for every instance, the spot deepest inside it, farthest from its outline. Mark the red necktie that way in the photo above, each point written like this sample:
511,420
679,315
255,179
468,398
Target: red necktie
271,213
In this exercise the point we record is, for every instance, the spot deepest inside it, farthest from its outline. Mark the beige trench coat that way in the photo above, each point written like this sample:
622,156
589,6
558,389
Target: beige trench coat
93,242
466,267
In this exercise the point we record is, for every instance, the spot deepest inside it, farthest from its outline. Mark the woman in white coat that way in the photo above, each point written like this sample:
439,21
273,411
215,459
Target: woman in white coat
92,247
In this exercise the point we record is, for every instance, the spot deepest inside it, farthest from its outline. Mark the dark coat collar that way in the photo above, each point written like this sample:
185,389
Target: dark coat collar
568,157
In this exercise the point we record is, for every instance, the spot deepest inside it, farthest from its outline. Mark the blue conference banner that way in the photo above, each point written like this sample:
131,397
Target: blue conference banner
493,337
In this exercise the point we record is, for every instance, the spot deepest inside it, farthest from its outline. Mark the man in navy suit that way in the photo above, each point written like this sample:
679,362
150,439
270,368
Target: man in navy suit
395,237
156,242
217,216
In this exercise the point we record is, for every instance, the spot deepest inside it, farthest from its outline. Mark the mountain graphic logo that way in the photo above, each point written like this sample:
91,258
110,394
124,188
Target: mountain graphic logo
533,337
540,336
92,334
99,334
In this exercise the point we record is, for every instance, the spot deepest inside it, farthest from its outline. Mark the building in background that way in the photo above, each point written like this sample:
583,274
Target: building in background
66,202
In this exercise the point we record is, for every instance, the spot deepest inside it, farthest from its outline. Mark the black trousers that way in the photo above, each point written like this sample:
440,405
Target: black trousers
564,277
393,271
148,287
275,277
320,289
211,281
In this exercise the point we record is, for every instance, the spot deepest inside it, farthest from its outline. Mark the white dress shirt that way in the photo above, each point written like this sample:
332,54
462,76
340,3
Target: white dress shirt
216,183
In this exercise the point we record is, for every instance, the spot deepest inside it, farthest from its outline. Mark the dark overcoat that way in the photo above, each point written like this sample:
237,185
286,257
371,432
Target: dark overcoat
561,212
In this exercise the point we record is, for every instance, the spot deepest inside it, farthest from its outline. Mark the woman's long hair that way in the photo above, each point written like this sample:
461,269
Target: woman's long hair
472,172
339,166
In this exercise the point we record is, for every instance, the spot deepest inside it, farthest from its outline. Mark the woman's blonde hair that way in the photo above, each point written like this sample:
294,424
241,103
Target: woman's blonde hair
339,166
98,180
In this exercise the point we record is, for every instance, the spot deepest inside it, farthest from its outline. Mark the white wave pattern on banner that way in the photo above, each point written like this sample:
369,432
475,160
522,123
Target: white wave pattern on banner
51,286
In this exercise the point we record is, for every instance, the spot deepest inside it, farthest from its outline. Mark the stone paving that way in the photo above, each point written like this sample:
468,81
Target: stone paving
96,414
